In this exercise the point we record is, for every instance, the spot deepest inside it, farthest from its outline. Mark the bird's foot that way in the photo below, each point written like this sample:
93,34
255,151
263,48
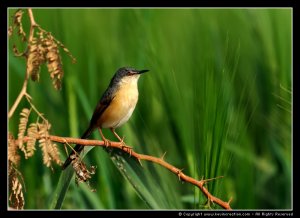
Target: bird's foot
107,143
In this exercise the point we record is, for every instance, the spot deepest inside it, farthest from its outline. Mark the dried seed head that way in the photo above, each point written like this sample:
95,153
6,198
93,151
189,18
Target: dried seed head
81,171
18,24
54,62
22,128
32,134
13,148
16,197
49,149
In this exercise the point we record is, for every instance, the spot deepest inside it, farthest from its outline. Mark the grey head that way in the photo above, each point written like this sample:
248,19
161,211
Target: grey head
124,72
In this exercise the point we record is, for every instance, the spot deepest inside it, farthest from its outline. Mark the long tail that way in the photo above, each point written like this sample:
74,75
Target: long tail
78,148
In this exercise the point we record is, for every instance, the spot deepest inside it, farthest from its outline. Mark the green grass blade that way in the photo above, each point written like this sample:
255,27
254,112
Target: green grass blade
143,181
61,189
63,185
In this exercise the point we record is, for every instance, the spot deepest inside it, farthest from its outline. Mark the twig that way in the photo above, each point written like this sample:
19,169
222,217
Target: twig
160,161
28,97
23,91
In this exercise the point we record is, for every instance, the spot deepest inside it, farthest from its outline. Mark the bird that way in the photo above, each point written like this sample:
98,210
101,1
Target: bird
114,108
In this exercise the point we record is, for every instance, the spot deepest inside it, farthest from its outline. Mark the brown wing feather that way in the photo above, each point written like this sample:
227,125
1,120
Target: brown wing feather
104,102
101,106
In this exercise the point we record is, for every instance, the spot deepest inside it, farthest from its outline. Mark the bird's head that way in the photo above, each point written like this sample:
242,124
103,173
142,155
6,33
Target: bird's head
127,74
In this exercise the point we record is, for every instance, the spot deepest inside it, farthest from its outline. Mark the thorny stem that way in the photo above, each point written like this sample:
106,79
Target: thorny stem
118,145
23,91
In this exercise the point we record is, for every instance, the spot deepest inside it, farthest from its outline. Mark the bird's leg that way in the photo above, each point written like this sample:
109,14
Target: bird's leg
114,132
106,141
121,140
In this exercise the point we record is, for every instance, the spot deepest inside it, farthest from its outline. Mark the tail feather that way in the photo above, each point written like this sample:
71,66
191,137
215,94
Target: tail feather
78,148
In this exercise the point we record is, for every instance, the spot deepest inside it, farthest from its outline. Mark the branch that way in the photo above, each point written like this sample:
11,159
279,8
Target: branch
23,91
139,157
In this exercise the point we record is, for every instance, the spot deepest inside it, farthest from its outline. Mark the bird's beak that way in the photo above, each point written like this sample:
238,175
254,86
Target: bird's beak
142,71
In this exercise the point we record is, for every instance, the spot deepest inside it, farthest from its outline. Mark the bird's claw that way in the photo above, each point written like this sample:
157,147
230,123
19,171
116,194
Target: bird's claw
107,143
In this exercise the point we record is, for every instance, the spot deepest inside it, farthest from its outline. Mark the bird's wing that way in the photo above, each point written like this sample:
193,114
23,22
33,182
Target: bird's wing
100,108
102,105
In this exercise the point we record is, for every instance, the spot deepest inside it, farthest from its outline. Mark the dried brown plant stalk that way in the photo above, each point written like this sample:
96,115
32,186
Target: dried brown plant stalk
33,25
50,153
118,145
42,48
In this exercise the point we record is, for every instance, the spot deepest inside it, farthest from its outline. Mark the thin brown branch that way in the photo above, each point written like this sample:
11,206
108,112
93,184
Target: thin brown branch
28,97
19,98
160,161
23,91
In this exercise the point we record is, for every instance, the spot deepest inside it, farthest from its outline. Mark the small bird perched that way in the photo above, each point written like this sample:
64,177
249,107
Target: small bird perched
115,106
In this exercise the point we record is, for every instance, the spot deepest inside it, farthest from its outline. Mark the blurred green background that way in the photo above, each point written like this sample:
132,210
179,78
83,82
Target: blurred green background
217,99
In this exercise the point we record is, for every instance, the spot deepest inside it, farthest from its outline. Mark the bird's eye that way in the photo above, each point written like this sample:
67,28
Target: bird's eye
129,73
